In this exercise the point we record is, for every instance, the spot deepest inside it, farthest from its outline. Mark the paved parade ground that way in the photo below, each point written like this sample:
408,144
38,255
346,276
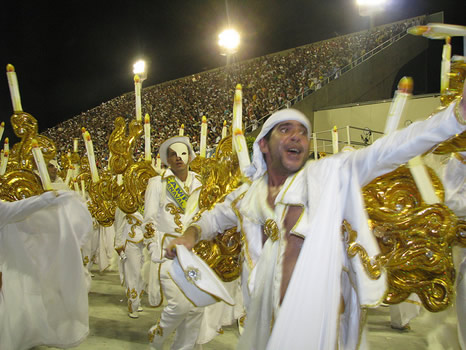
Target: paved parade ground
111,328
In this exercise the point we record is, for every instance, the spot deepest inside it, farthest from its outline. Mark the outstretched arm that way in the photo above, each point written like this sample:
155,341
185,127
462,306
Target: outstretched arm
389,152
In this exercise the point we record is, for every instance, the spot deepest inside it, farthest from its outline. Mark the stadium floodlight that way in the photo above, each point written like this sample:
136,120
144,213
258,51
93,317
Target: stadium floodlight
370,8
139,68
229,40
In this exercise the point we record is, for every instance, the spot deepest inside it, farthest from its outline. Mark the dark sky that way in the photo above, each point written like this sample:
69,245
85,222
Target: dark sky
70,56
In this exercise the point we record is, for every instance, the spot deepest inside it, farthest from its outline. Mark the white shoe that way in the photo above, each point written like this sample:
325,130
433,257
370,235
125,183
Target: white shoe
133,314
140,309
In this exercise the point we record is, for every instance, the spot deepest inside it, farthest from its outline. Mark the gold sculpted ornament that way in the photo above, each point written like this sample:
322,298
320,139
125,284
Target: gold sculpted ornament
415,239
219,176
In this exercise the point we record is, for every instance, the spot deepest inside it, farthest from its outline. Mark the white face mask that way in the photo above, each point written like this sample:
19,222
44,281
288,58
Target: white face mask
181,151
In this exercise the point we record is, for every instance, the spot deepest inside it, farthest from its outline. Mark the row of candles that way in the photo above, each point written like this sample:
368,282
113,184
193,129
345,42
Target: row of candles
239,142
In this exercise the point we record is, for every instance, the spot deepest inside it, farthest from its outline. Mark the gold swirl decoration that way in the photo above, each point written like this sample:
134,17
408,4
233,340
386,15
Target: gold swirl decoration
373,268
103,195
19,180
135,181
219,176
26,128
223,254
121,145
19,184
415,239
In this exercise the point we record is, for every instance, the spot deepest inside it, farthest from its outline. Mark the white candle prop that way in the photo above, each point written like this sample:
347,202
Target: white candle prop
6,145
137,90
314,141
241,149
2,128
445,68
238,109
403,93
91,156
83,189
181,132
75,145
147,148
3,162
335,140
120,179
41,166
14,89
75,186
416,165
224,129
422,179
158,164
203,145
438,30
69,172
109,166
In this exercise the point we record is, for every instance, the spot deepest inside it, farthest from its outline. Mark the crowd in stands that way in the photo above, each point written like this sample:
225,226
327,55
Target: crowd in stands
269,83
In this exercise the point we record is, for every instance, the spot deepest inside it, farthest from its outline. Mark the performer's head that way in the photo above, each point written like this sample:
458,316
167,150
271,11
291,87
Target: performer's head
282,146
52,169
176,153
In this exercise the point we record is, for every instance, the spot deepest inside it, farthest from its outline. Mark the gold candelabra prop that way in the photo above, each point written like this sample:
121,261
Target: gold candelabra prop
220,175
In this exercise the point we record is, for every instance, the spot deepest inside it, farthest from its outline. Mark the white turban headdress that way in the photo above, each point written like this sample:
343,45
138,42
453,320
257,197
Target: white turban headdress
258,166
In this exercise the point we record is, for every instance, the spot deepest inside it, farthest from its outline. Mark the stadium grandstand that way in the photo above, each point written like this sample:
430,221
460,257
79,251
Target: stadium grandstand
271,82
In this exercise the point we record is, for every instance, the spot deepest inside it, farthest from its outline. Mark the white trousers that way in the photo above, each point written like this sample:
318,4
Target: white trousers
179,314
89,249
132,271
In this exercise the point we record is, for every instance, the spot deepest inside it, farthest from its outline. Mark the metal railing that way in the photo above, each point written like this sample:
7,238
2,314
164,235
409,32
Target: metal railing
336,75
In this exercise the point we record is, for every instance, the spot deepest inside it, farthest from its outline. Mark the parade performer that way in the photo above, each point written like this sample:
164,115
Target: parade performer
43,293
129,244
305,291
57,181
165,206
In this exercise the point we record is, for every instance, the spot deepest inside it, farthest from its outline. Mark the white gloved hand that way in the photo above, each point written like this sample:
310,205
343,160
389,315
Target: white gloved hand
123,256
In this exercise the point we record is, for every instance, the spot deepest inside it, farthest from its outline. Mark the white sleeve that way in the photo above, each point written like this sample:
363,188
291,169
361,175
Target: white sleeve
220,218
19,210
152,199
455,186
120,224
389,152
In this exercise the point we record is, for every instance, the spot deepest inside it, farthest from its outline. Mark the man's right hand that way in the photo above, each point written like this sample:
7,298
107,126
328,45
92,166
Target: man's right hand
188,239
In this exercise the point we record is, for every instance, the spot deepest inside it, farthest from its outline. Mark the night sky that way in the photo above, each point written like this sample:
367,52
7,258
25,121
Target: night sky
71,57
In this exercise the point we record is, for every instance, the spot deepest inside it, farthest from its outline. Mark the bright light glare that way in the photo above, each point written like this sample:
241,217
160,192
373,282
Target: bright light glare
370,2
229,39
139,67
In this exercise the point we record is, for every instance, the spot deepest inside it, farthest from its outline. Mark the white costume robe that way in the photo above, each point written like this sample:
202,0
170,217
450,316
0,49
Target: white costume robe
43,299
329,192
129,238
163,212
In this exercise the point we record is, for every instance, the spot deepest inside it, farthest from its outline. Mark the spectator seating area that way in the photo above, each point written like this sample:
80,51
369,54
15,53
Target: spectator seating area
269,83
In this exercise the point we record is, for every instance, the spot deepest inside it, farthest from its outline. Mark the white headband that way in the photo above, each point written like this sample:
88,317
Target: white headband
258,166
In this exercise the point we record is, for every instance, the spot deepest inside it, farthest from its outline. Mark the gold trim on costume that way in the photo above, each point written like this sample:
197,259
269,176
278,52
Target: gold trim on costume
176,212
